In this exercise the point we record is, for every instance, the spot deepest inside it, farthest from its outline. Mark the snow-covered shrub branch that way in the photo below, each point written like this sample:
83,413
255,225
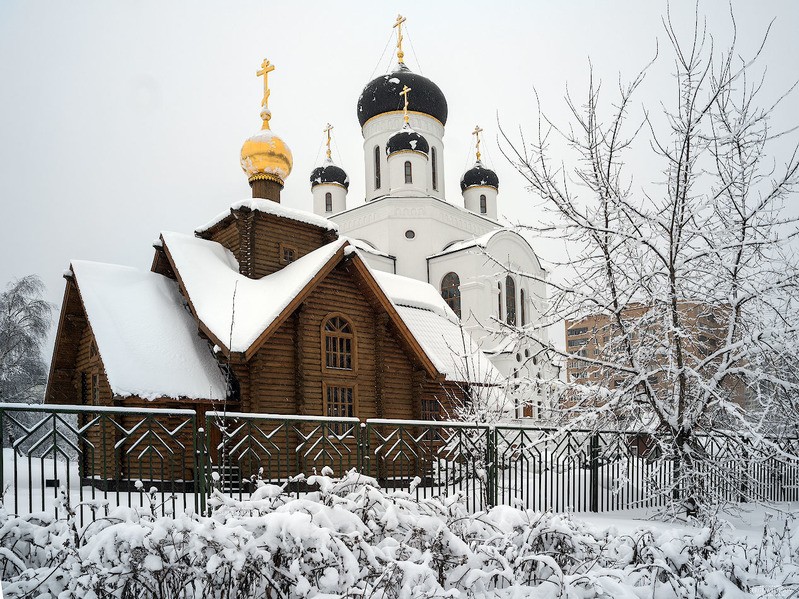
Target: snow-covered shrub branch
350,538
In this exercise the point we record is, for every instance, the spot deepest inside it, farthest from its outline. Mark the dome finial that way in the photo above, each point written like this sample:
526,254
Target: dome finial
266,68
398,27
404,92
327,130
265,156
477,131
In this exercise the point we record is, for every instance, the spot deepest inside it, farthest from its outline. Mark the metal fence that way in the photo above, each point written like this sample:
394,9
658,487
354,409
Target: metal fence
88,459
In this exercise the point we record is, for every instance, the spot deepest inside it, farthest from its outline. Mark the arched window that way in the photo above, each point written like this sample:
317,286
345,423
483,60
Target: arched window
408,172
451,292
499,301
510,300
338,343
522,307
434,161
483,206
377,167
328,202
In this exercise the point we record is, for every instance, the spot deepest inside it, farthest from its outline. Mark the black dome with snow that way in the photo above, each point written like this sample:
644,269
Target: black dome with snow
479,175
382,95
406,139
329,173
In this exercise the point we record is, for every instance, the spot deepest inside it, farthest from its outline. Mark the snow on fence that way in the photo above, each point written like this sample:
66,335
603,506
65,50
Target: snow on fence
97,456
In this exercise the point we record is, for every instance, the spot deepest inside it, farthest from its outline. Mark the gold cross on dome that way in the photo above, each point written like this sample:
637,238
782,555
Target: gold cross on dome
327,130
266,68
477,131
398,27
404,92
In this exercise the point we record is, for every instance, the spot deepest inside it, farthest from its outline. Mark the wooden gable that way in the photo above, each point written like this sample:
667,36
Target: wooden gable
75,357
288,375
258,239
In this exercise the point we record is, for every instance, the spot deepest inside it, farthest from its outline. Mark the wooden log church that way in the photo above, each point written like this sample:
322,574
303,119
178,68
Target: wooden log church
265,309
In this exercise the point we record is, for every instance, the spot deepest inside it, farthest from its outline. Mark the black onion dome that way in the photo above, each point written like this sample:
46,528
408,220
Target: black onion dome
479,175
382,95
407,139
329,173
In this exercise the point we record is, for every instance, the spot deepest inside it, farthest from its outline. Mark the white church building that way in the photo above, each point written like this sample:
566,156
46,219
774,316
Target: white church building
410,226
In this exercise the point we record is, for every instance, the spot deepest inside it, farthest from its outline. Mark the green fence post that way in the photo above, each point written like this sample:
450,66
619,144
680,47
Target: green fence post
199,482
363,448
491,466
594,470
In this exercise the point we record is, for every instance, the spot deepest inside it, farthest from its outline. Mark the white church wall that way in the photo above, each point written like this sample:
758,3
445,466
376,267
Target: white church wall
376,133
419,174
338,195
434,224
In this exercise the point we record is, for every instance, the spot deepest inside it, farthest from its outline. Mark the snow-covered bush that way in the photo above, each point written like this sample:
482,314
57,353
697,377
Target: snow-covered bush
349,538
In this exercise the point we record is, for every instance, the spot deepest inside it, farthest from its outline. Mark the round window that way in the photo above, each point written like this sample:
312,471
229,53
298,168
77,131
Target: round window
409,234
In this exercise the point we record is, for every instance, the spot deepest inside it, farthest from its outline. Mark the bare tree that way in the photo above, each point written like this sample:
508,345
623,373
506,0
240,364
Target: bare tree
24,322
694,277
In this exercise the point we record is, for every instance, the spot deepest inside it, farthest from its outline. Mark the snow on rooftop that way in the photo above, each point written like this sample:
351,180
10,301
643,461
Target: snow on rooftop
275,209
437,329
365,246
404,291
480,242
146,338
210,274
452,350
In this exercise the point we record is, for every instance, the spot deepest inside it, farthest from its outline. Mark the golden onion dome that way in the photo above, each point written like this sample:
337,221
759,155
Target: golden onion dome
265,155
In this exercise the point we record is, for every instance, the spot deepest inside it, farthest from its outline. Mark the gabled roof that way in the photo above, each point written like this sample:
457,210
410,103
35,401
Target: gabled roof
210,276
147,341
273,208
234,309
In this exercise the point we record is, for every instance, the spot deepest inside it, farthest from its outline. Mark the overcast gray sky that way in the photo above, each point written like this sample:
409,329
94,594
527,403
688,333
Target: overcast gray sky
119,120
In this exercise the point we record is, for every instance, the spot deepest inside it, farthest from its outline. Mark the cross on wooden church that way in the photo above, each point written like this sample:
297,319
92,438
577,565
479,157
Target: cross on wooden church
266,68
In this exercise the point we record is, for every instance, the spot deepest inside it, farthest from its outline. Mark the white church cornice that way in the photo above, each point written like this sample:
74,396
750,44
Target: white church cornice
415,207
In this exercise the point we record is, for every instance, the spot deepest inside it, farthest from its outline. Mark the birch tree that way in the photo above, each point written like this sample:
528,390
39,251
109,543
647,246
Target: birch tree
695,277
24,323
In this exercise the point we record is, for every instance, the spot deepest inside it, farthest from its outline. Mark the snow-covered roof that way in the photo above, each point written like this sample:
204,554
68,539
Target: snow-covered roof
481,242
404,291
210,274
365,246
438,330
275,209
146,338
452,350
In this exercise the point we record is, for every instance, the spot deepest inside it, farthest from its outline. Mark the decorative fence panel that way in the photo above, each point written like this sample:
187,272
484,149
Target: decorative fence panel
89,458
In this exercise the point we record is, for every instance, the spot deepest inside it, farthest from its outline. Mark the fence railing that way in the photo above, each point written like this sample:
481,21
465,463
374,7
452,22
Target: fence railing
90,458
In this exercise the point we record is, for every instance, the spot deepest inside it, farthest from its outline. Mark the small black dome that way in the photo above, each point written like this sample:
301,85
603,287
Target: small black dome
382,95
329,173
479,175
406,139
